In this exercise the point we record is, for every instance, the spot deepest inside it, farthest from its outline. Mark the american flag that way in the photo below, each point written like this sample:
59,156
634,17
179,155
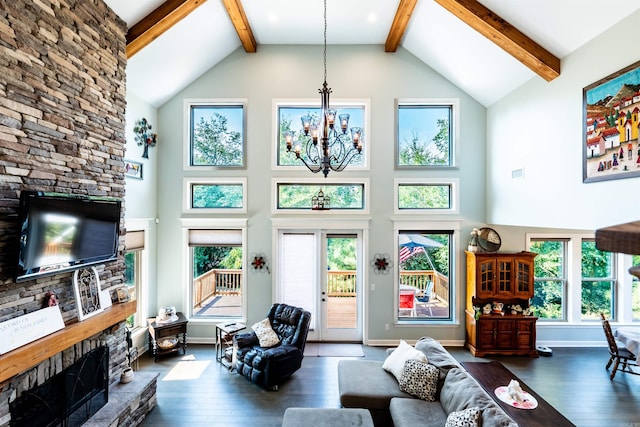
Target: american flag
406,252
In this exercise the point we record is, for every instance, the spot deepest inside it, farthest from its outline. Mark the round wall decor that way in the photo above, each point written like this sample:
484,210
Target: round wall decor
489,239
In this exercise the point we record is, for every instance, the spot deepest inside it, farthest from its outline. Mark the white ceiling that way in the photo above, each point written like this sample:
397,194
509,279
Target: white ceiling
435,36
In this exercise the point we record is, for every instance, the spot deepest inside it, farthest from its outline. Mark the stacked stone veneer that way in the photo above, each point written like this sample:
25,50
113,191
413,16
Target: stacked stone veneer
62,119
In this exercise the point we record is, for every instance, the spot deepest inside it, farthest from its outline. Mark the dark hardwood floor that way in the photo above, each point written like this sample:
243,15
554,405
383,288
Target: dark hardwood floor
195,390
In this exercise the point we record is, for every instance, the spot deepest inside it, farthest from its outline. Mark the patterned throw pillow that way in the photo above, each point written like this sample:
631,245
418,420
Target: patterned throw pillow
266,336
468,418
419,379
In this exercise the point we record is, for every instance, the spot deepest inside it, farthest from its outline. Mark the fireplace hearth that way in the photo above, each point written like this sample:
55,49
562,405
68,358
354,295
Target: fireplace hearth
69,398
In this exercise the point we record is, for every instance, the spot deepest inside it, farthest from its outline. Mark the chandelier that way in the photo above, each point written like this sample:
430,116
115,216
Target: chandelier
337,147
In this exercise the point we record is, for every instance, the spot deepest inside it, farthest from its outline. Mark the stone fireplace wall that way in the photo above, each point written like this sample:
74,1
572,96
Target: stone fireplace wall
62,129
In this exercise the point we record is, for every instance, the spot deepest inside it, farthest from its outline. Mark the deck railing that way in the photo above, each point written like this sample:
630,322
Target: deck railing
342,283
216,282
420,278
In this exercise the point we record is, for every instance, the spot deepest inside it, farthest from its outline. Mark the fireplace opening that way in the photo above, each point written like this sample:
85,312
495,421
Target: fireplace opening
69,398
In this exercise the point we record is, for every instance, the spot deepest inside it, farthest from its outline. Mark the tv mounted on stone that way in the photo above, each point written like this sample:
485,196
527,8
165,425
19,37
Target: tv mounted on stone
61,232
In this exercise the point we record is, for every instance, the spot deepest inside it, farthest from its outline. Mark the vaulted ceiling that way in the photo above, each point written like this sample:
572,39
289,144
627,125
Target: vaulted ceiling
486,47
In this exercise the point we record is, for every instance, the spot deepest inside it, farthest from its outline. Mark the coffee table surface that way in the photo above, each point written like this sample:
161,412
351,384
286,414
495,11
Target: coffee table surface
491,375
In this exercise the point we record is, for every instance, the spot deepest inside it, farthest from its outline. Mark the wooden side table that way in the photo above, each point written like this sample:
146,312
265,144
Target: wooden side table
224,342
167,337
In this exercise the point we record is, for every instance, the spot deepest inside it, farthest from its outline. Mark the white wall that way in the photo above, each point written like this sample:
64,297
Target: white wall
295,72
141,200
539,127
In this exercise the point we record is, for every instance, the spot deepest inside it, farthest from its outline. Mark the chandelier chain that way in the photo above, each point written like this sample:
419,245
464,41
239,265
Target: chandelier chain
325,41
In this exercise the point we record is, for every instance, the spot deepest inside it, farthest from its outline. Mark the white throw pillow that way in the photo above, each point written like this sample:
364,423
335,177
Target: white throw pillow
266,336
394,363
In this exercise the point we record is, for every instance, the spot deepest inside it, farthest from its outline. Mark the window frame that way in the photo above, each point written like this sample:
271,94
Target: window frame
563,280
212,102
454,130
188,224
142,298
612,279
454,196
187,200
456,288
314,103
275,182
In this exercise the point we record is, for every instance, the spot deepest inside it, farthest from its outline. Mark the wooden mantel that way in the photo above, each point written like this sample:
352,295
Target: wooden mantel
29,355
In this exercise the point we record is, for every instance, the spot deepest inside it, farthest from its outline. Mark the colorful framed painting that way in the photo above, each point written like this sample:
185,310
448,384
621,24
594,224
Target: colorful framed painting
611,126
133,169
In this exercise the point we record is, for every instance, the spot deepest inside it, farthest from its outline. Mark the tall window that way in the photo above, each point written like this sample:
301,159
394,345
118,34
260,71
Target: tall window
598,282
635,291
134,244
217,284
550,287
424,259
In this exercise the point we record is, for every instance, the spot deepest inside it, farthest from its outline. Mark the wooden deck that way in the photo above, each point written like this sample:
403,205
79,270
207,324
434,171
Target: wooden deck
342,310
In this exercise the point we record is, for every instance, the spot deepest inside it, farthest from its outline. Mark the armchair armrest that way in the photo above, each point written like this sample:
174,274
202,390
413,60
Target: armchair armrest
247,339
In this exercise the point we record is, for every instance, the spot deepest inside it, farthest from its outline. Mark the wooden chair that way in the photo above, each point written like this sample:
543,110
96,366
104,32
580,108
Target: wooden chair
618,352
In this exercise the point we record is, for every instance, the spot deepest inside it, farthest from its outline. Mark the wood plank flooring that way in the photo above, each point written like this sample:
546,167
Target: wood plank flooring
194,390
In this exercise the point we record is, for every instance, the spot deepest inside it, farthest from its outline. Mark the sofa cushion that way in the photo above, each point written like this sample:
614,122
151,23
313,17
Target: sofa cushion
420,380
439,357
416,412
460,392
465,418
266,336
364,384
394,363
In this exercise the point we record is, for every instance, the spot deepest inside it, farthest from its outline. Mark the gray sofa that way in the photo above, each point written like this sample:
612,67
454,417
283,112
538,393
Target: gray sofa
364,384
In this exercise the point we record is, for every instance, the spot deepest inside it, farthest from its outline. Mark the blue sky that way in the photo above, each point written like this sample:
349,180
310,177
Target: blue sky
419,119
234,115
612,86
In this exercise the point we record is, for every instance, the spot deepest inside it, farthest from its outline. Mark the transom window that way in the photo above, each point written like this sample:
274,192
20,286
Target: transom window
426,196
303,196
209,195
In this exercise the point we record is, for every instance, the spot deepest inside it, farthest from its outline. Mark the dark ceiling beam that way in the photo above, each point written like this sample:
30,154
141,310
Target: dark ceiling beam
157,22
505,36
241,24
399,25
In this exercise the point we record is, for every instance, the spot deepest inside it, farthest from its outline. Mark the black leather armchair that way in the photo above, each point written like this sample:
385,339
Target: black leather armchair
269,367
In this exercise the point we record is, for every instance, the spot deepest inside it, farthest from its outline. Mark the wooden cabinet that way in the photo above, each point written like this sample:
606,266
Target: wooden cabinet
505,278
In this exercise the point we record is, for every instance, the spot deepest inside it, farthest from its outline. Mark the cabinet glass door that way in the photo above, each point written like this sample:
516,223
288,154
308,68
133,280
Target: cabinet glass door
504,286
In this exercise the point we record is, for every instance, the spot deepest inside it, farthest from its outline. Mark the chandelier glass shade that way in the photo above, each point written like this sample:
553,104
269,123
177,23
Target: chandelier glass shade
326,142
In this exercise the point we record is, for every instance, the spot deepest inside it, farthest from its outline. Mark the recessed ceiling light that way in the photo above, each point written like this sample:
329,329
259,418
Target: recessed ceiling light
273,18
372,18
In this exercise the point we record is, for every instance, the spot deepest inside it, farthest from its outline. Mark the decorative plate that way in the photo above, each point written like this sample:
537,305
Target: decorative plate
529,401
489,239
168,344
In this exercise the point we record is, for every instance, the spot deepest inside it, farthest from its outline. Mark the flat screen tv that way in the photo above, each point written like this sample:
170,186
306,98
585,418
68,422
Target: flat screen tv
62,232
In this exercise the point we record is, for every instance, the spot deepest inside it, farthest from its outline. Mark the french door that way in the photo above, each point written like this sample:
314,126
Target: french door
320,271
